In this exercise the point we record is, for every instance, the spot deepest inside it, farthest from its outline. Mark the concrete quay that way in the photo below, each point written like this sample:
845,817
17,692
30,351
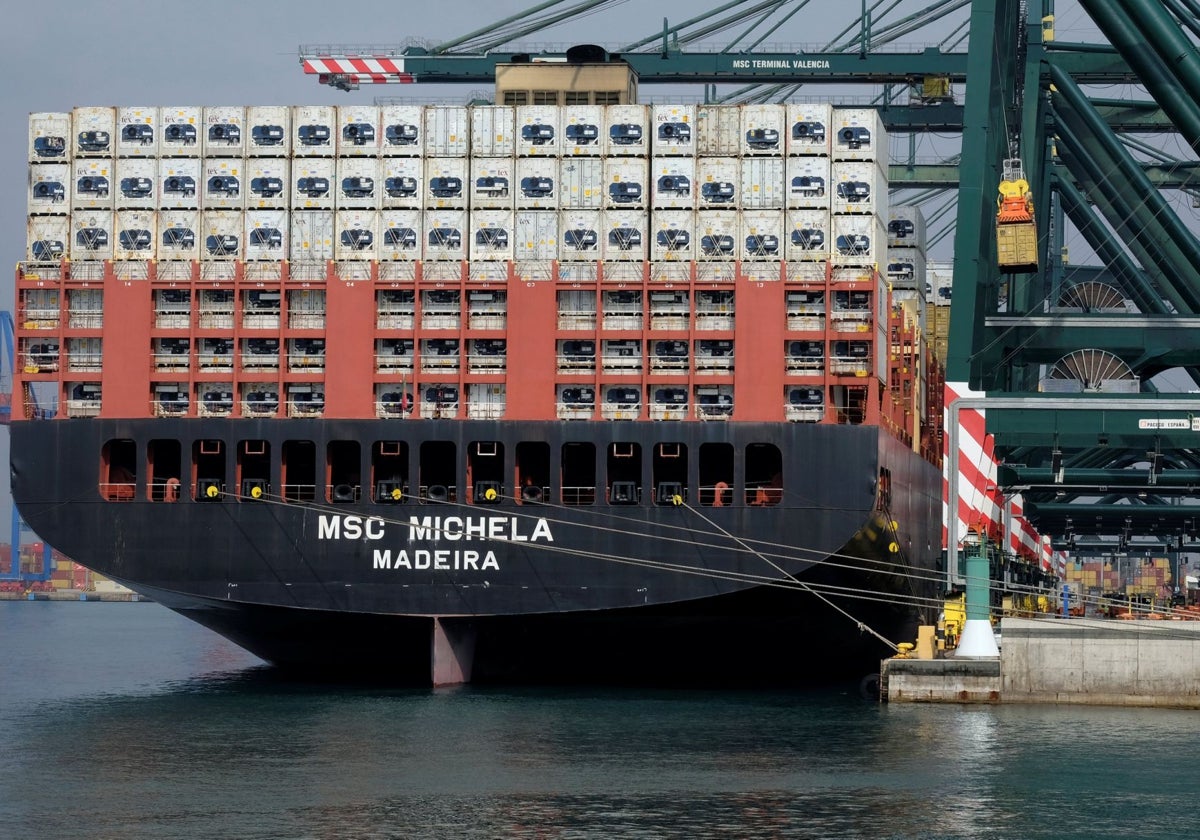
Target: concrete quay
1053,660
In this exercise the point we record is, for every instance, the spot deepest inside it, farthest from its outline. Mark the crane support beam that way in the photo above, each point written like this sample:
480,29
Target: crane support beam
1156,342
1019,479
1185,174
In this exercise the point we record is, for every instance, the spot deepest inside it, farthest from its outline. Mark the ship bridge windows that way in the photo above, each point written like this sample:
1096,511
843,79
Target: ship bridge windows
669,467
531,472
622,310
485,472
118,470
253,470
85,309
214,399
394,355
487,310
576,355
260,309
83,399
164,465
306,354
394,309
805,309
389,471
624,473
305,400
298,471
578,473
764,475
716,474
306,309
172,308
216,309
260,354
169,399
436,472
172,353
576,309
669,311
441,309
208,470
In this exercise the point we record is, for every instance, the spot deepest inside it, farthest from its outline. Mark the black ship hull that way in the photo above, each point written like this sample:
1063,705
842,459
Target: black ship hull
692,585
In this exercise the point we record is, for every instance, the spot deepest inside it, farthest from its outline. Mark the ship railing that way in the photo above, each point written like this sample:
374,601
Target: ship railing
716,495
487,321
254,319
264,362
38,318
392,409
84,362
436,410
620,411
438,493
259,409
763,496
39,362
713,364
399,319
342,493
301,361
169,408
439,363
804,414
301,493
618,361
616,321
848,321
172,361
678,411
477,363
578,319
575,363
210,320
305,408
306,320
668,362
714,412
668,322
574,411
216,361
440,320
172,320
714,322
214,409
388,361
806,366
856,365
117,491
485,411
82,408
806,322
85,319
584,495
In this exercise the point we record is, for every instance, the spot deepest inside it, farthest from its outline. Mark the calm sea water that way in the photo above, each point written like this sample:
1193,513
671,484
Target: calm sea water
127,721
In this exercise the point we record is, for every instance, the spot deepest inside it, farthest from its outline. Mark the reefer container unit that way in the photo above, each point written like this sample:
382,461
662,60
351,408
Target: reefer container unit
403,132
403,182
179,127
311,236
906,268
717,233
625,234
808,128
492,131
625,181
539,130
906,227
92,235
49,137
47,238
222,184
179,235
446,234
356,184
859,186
859,135
673,182
358,133
583,127
447,131
536,235
137,235
136,183
673,130
312,183
626,130
579,235
491,235
178,183
807,235
266,235
446,182
717,181
314,130
221,232
137,132
581,182
491,182
356,234
672,235
50,189
718,130
400,236
536,183
224,131
761,235
92,184
268,180
763,129
93,132
269,131
808,182
858,241
762,183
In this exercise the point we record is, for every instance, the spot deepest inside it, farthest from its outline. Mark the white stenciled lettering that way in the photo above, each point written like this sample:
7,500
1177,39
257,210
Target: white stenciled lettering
452,528
475,529
383,558
421,529
349,527
374,528
541,530
439,560
329,528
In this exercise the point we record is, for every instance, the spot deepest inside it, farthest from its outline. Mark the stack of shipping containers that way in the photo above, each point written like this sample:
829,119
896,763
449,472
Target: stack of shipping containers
261,231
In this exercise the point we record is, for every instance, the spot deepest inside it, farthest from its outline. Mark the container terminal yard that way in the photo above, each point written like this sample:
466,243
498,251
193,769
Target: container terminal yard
658,362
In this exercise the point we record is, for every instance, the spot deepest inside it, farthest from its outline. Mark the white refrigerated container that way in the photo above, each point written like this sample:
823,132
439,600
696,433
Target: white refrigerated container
762,183
580,235
626,183
536,235
626,130
179,234
581,182
447,130
492,183
717,183
224,131
718,130
180,131
673,182
311,236
717,233
906,227
763,129
673,235
92,235
267,180
179,183
491,235
314,130
493,131
808,182
674,130
400,235
358,133
446,182
762,236
47,238
221,233
403,131
536,184
809,128
583,130
137,235
266,235
356,184
49,190
137,131
268,131
625,234
859,186
808,235
92,185
539,130
223,184
356,234
446,233
136,183
94,132
313,183
858,134
858,241
403,182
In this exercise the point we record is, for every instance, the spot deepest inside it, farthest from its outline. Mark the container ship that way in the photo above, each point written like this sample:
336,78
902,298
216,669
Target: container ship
584,390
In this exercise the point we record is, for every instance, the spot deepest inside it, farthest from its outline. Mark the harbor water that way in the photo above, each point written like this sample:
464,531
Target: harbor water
127,721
